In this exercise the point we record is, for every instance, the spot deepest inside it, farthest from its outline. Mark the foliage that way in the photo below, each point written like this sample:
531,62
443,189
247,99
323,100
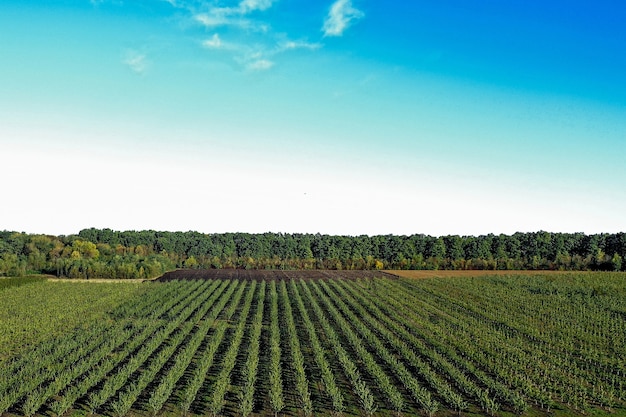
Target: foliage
105,253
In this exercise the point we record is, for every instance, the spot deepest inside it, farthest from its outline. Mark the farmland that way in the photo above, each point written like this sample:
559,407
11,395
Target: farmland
35,309
299,343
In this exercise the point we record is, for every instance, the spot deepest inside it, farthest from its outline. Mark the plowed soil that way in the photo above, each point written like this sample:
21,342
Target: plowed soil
252,274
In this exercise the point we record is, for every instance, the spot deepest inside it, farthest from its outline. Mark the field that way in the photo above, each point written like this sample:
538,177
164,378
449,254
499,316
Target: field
422,273
33,310
299,343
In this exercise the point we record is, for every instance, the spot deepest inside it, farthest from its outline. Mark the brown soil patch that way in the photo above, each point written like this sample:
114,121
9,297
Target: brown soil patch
190,274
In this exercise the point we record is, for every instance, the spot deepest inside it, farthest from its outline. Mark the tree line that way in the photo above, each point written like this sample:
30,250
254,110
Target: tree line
107,253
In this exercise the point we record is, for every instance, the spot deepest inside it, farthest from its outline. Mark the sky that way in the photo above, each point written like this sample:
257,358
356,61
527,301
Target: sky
343,117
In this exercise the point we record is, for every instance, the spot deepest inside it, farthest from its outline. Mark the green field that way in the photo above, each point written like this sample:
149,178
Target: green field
300,344
34,310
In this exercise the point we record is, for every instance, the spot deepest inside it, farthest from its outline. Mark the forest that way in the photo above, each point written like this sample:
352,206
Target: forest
106,253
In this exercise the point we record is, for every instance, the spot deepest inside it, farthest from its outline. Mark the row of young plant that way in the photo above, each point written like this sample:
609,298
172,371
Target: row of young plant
295,351
251,367
393,397
564,347
397,345
223,382
433,324
470,380
34,314
476,385
77,364
528,365
570,322
165,378
78,389
480,344
581,320
370,326
26,373
189,392
360,388
49,363
276,395
319,353
407,367
128,380
454,373
35,399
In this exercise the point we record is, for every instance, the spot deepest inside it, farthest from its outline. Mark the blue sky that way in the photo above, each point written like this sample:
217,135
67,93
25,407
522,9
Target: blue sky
339,116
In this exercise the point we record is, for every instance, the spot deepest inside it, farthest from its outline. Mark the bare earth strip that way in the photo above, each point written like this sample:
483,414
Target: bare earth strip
185,274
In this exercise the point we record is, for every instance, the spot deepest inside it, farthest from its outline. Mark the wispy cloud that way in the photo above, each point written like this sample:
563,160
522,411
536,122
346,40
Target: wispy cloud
237,27
214,43
211,19
136,61
255,60
339,17
244,7
260,65
291,45
233,16
247,6
223,17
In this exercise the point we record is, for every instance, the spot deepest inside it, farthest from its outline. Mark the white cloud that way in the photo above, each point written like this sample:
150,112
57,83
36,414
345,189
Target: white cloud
214,43
234,16
217,43
247,6
137,62
253,43
223,17
260,65
291,45
259,58
211,20
339,17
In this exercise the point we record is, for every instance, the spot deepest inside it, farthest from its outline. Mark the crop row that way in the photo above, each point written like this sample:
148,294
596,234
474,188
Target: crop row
332,347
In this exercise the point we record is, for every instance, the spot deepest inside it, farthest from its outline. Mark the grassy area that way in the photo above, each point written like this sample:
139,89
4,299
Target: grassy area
419,274
35,309
18,281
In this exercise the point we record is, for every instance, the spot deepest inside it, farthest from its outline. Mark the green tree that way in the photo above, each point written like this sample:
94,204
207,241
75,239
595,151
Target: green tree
616,262
439,249
191,262
454,247
85,248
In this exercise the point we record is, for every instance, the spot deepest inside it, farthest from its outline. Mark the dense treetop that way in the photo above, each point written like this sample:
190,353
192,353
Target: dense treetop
143,254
